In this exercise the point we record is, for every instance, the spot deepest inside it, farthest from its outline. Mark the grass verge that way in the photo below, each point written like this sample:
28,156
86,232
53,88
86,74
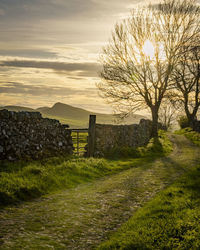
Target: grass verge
23,181
169,221
190,134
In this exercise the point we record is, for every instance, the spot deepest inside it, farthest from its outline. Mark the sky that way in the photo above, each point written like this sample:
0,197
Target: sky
49,50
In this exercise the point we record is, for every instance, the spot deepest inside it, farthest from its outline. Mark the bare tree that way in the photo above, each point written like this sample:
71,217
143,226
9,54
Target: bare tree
186,77
143,51
168,113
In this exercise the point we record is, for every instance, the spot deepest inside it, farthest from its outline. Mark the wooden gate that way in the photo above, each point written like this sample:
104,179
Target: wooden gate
80,140
85,136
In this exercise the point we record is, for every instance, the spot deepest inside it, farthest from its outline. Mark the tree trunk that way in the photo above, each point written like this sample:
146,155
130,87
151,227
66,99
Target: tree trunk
190,116
154,132
191,120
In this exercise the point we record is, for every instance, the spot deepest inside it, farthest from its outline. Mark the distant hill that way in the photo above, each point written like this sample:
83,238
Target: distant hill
41,109
17,108
75,117
66,111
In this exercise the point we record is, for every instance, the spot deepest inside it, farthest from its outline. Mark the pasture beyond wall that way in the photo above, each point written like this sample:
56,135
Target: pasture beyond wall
26,135
108,137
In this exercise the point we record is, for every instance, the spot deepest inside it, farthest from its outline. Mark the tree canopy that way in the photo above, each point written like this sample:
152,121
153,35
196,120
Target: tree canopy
143,53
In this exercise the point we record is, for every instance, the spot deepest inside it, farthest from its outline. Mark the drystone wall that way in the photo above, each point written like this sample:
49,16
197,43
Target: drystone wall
108,137
26,135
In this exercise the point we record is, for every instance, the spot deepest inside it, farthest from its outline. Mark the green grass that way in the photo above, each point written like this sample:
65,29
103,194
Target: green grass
27,180
169,221
190,134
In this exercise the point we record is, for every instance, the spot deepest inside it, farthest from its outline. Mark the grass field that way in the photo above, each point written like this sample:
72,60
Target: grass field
73,123
26,180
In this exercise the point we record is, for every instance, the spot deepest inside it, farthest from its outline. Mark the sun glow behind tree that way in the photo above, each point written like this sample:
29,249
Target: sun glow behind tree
148,49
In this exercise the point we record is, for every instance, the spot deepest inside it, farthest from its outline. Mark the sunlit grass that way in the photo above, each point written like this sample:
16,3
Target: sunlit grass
190,134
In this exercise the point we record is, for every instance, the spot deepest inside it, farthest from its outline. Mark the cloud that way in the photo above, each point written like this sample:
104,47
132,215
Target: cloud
43,90
82,69
165,8
29,53
43,9
2,12
53,20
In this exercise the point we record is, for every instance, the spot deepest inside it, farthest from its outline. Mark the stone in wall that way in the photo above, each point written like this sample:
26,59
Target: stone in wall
26,135
111,136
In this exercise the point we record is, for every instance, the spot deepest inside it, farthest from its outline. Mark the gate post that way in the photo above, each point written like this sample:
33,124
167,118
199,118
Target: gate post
91,136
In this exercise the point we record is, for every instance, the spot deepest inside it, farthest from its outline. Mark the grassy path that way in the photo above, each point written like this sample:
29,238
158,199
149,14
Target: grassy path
82,217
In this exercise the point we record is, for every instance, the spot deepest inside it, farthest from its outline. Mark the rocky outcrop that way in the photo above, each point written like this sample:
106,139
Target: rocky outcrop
26,135
108,137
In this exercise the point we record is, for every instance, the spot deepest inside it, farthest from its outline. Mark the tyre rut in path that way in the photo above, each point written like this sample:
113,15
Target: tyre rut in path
83,217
